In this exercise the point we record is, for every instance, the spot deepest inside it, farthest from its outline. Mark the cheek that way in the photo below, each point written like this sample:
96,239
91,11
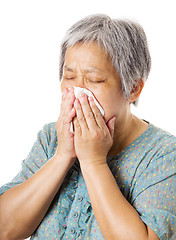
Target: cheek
111,105
108,109
62,86
106,104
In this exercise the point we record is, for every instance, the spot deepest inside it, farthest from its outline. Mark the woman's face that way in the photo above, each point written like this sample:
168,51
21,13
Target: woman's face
88,66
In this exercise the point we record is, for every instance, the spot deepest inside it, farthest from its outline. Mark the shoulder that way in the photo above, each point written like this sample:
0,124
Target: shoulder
156,163
163,141
48,134
46,140
48,129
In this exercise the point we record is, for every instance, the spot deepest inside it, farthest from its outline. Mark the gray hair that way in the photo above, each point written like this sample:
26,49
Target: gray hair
123,40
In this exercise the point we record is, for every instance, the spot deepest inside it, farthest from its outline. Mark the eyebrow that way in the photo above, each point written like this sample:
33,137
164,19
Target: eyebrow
68,68
88,70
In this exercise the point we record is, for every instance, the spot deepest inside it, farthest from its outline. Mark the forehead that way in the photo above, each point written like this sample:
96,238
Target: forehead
90,55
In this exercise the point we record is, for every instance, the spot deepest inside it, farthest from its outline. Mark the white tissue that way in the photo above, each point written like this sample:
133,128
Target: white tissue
77,91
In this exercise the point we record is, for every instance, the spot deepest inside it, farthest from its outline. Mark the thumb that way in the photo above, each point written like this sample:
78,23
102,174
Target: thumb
111,125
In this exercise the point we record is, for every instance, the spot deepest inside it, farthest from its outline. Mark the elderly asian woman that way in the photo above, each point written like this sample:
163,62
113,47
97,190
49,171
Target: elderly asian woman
114,177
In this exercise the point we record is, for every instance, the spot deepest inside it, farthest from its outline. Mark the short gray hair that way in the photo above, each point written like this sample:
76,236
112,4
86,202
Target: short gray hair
122,39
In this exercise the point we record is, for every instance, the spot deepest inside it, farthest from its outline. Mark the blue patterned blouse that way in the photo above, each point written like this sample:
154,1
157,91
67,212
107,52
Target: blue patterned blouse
145,172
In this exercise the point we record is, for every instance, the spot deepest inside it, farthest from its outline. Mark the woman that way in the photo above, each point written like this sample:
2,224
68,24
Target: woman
114,177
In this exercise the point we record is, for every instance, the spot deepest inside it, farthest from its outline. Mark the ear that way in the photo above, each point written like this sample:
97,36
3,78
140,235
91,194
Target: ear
136,91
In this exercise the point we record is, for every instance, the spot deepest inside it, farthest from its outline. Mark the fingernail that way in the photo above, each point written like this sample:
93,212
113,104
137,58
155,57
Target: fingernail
71,89
66,90
82,95
90,98
76,103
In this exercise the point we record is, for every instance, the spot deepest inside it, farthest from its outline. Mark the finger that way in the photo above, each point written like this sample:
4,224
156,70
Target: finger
77,127
68,99
87,111
97,114
67,112
80,116
111,125
67,119
64,122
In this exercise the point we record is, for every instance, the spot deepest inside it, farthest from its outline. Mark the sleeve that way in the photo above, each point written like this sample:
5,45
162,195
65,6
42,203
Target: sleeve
156,200
42,150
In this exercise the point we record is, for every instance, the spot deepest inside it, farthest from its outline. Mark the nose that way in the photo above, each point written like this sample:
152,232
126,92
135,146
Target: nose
79,82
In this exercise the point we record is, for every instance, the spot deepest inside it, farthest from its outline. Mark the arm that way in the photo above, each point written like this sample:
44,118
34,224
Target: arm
116,218
23,207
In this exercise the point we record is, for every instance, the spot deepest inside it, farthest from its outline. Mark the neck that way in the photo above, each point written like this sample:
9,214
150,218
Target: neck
126,132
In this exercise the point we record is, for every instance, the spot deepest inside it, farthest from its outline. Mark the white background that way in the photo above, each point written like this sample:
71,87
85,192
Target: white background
30,36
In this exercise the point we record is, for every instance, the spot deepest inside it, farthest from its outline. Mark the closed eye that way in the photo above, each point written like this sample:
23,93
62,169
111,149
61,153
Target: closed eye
69,78
95,81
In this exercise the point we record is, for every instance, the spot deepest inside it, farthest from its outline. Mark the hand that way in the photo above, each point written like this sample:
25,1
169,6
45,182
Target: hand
65,137
92,137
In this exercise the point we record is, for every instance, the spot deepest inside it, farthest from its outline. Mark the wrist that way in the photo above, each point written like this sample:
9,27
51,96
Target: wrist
64,160
92,165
